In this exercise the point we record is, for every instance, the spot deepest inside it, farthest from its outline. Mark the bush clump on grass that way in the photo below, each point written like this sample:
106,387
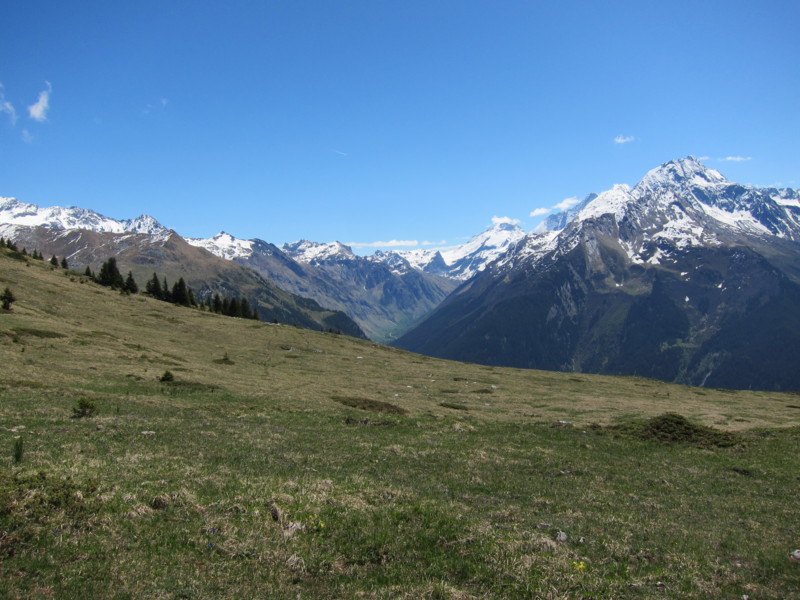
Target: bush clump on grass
167,377
677,429
84,408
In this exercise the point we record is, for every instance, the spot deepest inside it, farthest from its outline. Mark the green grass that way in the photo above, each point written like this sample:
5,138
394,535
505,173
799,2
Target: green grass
345,472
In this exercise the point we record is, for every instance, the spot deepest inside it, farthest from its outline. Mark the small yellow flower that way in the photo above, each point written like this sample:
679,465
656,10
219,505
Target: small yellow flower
579,565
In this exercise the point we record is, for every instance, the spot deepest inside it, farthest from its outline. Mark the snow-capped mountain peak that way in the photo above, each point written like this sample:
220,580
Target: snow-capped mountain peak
13,212
309,252
463,261
682,173
224,245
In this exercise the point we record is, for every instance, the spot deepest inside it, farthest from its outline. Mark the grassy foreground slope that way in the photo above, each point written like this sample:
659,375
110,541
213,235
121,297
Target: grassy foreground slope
285,463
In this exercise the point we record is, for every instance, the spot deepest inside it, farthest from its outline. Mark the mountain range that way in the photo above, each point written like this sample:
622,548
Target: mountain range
685,277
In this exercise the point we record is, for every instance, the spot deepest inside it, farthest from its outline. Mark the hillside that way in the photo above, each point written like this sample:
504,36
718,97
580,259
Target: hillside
169,255
284,462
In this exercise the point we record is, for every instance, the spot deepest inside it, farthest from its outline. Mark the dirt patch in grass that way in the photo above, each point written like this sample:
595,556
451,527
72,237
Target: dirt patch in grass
453,405
370,405
190,386
676,429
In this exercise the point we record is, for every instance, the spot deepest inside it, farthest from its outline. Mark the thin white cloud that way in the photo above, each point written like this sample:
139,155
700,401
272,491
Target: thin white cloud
736,158
7,107
623,139
38,110
566,203
390,243
504,221
538,212
701,158
429,243
27,136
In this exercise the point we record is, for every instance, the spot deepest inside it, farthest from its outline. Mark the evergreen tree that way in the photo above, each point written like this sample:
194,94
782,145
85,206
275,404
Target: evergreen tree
110,276
225,307
192,301
153,287
88,273
64,264
217,304
180,294
2,242
24,251
7,298
165,295
54,261
234,308
245,309
130,284
11,245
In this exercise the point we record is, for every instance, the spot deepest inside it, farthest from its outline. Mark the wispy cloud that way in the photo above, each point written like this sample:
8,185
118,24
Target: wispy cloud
566,203
7,107
736,158
429,243
504,221
161,104
623,139
27,136
38,110
389,243
538,212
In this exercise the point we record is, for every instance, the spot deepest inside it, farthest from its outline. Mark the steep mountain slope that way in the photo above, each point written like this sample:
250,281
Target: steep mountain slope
687,277
169,255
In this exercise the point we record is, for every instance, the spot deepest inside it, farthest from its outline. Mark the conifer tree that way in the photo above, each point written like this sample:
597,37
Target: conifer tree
130,284
244,308
153,287
54,261
88,273
165,295
2,242
180,294
24,251
234,308
64,264
7,298
11,245
110,276
217,305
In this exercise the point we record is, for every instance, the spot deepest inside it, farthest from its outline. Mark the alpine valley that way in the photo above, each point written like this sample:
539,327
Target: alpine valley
685,277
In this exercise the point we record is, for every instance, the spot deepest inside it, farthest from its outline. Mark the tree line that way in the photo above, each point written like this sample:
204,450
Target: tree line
35,255
179,293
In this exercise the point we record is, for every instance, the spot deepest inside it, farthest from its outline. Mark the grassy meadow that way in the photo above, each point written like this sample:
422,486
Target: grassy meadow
285,463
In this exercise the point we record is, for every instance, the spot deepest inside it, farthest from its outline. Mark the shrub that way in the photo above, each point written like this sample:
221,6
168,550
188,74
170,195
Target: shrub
84,408
18,450
167,377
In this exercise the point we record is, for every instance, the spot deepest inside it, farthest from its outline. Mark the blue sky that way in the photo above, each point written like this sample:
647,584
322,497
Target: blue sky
370,121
